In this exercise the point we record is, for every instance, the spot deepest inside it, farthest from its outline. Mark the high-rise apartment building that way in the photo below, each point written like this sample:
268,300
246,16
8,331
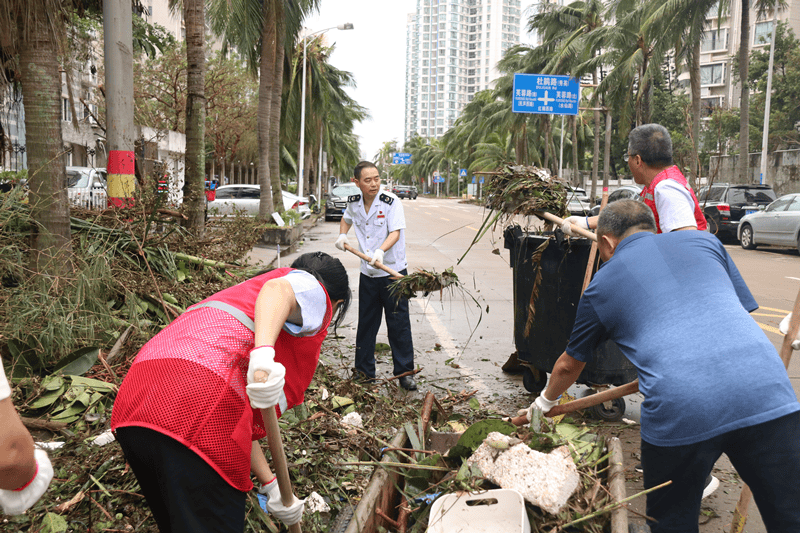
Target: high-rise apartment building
452,51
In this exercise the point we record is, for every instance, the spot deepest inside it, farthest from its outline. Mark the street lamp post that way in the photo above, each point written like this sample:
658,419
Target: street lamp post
301,155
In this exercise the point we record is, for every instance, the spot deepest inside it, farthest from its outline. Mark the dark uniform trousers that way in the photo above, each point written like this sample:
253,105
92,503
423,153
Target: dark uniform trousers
374,298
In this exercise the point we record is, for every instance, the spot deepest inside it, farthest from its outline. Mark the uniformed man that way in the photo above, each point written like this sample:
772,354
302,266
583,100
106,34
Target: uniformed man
380,229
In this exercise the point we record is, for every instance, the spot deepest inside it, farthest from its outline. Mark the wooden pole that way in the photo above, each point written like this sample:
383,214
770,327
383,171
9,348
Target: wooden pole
276,450
576,229
593,251
378,264
588,401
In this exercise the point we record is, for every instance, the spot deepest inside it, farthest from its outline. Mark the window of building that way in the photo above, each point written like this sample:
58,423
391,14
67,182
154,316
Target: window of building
709,105
716,39
762,33
66,112
713,74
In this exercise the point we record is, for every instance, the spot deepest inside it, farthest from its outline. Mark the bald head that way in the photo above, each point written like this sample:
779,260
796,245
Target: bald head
623,217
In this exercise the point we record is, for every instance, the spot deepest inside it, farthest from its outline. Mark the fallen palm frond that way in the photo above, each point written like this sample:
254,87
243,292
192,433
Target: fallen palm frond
519,190
523,190
424,281
536,259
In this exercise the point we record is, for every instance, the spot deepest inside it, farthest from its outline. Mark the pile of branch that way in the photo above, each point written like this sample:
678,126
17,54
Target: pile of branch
424,281
523,190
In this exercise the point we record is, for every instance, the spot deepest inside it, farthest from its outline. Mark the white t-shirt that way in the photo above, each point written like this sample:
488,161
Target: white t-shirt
310,297
674,205
5,388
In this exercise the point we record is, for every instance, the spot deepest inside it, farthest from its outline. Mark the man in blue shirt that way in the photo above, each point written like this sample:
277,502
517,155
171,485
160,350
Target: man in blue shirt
678,308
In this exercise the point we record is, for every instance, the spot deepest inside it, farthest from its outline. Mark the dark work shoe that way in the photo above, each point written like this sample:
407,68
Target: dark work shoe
408,383
638,468
360,377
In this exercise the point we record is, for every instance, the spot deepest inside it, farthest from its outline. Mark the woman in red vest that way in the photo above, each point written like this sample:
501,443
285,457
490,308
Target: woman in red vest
188,412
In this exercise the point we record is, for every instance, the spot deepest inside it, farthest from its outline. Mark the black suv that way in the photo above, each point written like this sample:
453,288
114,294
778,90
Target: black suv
724,205
405,191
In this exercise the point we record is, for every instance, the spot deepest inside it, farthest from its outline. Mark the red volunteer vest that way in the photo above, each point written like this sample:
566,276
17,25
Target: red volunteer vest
671,173
188,382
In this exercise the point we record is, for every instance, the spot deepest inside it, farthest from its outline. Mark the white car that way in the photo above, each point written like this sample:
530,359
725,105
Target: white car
86,187
778,224
247,198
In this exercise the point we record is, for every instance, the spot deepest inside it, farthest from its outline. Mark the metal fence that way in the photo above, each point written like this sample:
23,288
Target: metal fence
89,198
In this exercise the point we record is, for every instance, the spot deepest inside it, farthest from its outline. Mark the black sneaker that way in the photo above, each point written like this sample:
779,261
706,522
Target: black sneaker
712,484
408,383
638,468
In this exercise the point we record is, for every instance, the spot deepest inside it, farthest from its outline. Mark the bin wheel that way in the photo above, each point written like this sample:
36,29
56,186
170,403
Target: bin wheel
638,528
534,380
612,414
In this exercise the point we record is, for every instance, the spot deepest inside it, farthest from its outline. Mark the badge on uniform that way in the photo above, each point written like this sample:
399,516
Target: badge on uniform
354,198
385,198
381,215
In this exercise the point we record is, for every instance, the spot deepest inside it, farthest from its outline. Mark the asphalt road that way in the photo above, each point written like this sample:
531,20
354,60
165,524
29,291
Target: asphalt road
462,339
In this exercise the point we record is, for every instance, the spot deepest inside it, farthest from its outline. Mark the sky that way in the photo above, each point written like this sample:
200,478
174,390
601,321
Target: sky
374,52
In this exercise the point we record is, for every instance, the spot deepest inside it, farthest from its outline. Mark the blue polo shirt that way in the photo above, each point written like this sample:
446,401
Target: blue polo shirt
678,308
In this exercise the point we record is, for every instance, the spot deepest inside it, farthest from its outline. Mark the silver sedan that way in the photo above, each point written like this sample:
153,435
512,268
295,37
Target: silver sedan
778,224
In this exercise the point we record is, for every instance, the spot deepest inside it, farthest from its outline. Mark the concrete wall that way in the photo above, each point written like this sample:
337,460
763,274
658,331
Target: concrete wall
783,170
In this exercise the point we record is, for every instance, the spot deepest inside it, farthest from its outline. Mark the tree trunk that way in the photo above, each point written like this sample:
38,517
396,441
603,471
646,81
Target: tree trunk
595,157
576,177
694,81
265,102
744,105
41,90
522,145
607,153
275,110
193,185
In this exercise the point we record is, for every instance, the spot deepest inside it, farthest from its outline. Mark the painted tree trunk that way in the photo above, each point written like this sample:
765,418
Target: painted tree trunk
694,82
41,90
193,185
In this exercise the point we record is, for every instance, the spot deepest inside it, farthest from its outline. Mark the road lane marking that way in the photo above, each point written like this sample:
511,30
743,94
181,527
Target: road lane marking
447,219
470,227
789,277
769,328
767,314
762,308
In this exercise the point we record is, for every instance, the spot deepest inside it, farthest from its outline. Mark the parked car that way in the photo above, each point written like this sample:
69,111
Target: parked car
86,187
778,224
725,204
246,198
577,201
623,192
337,200
405,191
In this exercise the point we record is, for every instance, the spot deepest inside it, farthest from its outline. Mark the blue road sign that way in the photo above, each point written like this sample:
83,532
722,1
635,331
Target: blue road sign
545,94
462,173
473,179
401,158
481,180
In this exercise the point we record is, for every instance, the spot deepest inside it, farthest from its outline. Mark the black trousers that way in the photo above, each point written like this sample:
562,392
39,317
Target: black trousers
766,456
375,299
183,492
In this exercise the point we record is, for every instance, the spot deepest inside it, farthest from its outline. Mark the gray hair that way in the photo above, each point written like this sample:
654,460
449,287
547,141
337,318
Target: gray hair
620,218
652,143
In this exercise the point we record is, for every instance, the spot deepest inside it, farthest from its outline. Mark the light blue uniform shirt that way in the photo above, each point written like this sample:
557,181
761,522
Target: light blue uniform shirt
371,229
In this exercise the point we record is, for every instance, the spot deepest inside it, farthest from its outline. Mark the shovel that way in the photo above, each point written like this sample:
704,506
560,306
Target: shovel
582,403
276,450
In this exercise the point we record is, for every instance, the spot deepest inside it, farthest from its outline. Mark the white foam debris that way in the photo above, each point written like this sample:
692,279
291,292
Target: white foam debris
315,503
104,438
546,480
352,419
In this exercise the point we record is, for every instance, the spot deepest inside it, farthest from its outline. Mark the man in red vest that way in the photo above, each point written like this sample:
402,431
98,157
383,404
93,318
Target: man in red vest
666,190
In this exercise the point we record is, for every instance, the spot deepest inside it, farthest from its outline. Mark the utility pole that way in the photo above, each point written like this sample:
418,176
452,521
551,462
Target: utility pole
765,135
120,134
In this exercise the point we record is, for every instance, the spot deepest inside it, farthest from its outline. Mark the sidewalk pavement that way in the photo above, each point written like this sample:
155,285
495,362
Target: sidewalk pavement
269,255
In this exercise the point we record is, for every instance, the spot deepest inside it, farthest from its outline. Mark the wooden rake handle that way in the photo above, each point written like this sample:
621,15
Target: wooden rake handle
576,229
588,401
378,264
276,450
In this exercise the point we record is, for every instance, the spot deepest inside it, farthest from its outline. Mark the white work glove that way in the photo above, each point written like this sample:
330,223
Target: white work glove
341,241
582,222
265,395
542,403
288,515
377,256
784,328
17,502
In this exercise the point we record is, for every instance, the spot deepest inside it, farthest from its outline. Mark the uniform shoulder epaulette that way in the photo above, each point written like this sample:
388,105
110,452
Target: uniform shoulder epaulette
385,198
354,198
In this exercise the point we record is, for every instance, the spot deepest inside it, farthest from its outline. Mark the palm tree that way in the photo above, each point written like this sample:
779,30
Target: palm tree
33,30
195,117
